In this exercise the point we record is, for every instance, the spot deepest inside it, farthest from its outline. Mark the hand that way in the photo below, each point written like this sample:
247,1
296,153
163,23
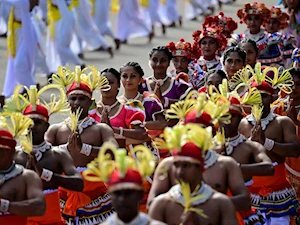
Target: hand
33,164
105,118
257,134
158,93
74,142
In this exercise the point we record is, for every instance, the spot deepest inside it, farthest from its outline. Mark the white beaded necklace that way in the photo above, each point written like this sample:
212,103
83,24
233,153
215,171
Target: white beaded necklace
135,98
160,81
109,107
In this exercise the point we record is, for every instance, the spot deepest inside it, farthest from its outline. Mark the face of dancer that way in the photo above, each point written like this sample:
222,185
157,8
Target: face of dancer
80,101
130,78
6,157
126,203
114,86
214,79
254,23
251,55
266,100
181,64
232,127
38,130
187,172
159,62
233,63
209,47
292,4
273,25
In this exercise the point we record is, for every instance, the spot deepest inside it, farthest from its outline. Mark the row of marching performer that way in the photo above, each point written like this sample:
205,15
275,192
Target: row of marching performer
46,34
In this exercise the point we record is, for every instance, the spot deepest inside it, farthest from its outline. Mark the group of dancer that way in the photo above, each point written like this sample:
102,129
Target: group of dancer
214,142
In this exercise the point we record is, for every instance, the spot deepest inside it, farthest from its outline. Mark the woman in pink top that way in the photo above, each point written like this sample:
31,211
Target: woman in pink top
125,119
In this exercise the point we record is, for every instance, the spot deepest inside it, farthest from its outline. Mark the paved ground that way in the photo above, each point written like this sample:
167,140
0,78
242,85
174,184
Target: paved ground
137,49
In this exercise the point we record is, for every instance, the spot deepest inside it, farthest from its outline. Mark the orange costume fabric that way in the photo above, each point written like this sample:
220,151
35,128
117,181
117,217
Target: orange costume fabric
90,205
274,195
13,220
52,215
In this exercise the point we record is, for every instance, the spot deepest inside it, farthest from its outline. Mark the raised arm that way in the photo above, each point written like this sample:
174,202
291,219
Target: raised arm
240,195
35,205
50,135
71,179
263,164
161,180
291,145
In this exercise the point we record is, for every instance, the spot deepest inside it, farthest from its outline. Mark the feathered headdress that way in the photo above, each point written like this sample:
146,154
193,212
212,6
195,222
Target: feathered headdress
213,32
196,108
282,17
14,126
189,142
265,81
226,23
184,48
118,170
254,9
80,82
34,105
243,95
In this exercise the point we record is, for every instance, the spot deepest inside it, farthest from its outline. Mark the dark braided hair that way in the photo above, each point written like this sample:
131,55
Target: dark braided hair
114,72
221,73
236,49
136,67
161,49
249,41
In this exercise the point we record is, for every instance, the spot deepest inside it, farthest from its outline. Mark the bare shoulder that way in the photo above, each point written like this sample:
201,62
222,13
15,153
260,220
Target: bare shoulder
60,152
284,120
55,127
253,144
30,175
244,121
102,126
227,160
160,201
21,157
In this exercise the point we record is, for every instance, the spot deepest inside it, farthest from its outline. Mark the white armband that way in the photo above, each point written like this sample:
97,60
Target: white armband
86,149
121,131
166,102
269,144
64,147
4,205
46,175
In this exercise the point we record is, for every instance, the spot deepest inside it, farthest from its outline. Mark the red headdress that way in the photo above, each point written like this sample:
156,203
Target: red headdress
80,83
184,48
226,23
254,9
213,32
7,140
122,172
282,17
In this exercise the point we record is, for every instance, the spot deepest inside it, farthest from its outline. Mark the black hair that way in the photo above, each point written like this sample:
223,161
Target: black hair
161,49
136,67
236,49
249,41
221,73
114,72
295,72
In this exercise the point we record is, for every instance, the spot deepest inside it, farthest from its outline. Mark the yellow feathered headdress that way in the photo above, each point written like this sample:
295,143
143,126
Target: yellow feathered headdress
35,105
119,170
81,81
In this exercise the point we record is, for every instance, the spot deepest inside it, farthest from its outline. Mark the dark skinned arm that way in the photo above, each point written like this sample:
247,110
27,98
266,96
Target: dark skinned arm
72,179
263,164
240,196
137,133
50,135
159,124
161,181
227,211
35,205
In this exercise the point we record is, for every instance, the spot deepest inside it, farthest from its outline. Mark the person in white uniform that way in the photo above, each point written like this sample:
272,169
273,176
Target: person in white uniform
131,22
87,30
100,12
22,45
